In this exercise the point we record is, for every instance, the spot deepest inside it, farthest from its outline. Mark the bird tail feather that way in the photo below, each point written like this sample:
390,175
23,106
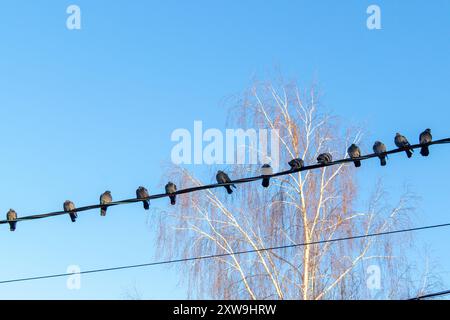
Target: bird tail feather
146,204
103,211
229,189
172,200
357,163
424,151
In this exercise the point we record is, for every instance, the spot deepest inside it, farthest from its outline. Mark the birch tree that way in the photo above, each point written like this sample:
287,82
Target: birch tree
303,207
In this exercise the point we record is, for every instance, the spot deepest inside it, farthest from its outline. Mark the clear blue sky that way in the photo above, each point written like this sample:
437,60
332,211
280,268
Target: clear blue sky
89,110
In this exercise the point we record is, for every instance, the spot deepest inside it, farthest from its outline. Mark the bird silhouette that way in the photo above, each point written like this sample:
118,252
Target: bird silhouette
105,198
354,152
425,137
401,142
170,189
296,164
11,216
222,177
266,170
324,158
142,193
70,207
379,148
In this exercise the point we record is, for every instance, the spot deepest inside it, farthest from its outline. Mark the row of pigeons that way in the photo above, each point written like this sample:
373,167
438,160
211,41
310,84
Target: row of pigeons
353,151
105,199
400,141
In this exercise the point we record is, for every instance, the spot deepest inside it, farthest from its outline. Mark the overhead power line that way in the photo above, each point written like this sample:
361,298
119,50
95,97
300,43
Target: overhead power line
432,295
377,234
217,185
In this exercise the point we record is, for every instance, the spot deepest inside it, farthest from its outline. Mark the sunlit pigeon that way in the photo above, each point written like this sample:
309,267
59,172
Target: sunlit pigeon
401,142
142,193
354,152
105,198
171,188
69,207
379,148
11,216
425,137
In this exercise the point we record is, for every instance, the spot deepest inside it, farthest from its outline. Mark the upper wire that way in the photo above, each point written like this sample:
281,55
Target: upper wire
432,295
217,185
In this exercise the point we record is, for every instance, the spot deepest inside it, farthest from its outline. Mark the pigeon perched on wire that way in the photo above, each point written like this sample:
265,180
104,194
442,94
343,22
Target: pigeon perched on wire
222,177
70,207
379,148
266,170
296,164
354,152
324,158
142,193
105,198
425,137
11,216
401,142
171,188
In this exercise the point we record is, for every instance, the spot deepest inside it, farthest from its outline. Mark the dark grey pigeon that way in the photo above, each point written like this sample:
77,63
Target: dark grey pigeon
266,170
11,216
379,148
171,188
70,207
142,193
105,198
425,137
296,164
401,142
222,177
354,152
324,158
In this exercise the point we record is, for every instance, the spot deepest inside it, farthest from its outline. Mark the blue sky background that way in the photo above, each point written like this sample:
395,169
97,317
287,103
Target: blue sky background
89,110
